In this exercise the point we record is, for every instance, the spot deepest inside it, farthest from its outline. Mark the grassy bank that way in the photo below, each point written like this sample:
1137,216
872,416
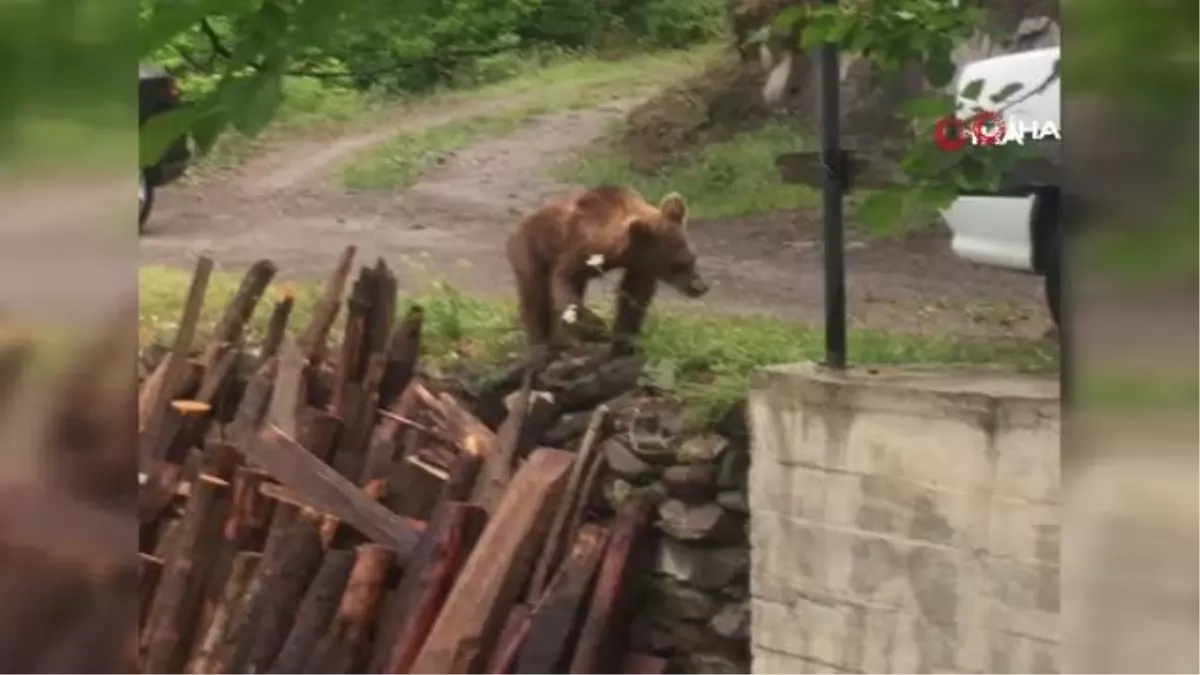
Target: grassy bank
736,177
566,83
704,358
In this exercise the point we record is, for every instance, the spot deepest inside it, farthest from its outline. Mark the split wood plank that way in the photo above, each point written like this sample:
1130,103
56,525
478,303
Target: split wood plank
304,474
602,638
286,495
553,627
150,441
565,518
492,577
428,580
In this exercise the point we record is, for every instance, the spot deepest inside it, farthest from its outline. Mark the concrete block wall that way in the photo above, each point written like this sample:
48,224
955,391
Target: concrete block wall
903,522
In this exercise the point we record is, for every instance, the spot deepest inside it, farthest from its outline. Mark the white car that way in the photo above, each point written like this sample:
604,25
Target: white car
1017,228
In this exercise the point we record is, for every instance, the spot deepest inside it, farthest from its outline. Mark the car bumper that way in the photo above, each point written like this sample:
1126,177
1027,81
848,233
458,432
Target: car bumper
993,230
173,164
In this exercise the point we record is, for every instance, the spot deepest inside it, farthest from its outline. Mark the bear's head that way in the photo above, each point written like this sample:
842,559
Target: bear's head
661,243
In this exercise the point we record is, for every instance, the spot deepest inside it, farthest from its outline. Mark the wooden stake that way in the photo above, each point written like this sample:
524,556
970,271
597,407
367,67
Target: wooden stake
240,572
177,604
277,325
316,334
150,443
316,612
403,357
428,579
342,648
283,590
237,313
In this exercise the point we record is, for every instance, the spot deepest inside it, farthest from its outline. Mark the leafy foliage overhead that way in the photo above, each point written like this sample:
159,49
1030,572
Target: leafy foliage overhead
243,48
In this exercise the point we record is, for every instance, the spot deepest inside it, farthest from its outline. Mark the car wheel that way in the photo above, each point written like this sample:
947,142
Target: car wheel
145,200
1053,281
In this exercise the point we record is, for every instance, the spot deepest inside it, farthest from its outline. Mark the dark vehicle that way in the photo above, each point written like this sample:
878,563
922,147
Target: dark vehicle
157,94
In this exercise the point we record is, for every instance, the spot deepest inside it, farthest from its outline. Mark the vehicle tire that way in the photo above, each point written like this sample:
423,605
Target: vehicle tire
145,200
1053,279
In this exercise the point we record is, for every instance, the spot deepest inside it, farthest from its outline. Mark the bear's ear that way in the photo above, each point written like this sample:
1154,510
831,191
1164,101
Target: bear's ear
674,208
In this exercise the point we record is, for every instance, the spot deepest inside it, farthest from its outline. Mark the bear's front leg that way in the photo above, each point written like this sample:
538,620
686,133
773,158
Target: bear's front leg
633,301
566,303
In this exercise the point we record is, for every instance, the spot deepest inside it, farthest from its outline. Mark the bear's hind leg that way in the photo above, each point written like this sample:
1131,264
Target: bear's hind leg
533,295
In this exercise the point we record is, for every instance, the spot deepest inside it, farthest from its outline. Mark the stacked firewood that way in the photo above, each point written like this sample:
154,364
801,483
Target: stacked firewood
311,509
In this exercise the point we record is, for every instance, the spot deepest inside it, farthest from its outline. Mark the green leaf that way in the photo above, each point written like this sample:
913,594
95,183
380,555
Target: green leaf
207,129
160,131
973,170
1006,91
172,18
787,18
972,91
820,28
927,108
939,71
859,38
254,100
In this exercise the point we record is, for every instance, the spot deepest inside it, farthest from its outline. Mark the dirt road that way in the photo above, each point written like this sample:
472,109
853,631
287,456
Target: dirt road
451,226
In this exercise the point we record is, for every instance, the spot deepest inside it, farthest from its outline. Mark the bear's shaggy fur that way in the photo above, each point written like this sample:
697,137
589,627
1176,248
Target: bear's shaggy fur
580,235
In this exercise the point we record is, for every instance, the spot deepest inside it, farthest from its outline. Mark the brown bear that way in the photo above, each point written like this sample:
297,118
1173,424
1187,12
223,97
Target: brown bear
580,235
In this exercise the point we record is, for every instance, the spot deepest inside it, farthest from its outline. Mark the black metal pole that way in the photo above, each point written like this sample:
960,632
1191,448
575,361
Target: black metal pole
832,191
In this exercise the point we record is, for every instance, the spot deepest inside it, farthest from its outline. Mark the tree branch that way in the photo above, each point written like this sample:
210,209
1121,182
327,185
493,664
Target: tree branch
214,40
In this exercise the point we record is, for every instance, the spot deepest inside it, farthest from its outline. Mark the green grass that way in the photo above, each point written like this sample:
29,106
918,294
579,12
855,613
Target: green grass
736,177
704,359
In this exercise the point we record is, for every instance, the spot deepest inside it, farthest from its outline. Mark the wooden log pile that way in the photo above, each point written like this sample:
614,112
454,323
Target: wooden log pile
315,507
